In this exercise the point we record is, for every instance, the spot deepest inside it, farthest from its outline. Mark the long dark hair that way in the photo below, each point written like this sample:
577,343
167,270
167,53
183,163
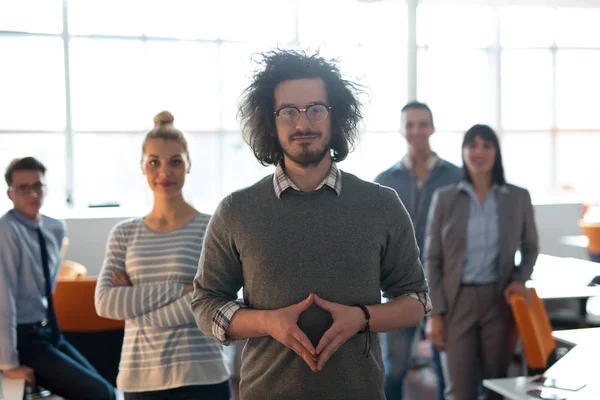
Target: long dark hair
487,134
258,99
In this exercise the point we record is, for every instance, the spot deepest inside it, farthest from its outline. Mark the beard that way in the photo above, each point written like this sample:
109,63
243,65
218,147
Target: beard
306,156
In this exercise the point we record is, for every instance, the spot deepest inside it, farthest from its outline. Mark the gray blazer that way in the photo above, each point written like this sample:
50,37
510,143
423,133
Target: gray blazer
445,241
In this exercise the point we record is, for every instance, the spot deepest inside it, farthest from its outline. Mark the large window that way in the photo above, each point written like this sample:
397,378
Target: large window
536,87
82,79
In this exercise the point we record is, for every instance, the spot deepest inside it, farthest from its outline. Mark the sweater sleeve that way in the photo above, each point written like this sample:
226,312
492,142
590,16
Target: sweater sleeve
219,276
401,270
127,302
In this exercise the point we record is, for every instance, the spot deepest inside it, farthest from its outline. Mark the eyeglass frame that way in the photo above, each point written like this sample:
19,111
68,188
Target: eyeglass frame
304,110
26,189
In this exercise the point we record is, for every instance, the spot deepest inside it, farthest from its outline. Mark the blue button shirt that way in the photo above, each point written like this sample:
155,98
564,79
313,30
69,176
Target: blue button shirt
482,251
416,196
22,290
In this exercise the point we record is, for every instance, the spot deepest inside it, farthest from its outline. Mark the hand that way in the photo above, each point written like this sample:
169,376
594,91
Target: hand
282,325
347,321
519,288
188,289
21,372
436,332
120,278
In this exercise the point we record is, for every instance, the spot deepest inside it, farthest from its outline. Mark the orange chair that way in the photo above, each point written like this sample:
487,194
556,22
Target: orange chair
592,231
534,329
98,339
71,270
75,309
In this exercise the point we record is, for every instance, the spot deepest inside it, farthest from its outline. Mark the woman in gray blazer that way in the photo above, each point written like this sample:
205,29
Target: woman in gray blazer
474,229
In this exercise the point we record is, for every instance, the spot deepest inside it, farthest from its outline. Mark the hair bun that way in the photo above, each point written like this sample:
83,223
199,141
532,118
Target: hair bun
163,118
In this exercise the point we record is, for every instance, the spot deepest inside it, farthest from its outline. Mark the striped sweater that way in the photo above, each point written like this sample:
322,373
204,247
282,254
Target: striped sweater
163,347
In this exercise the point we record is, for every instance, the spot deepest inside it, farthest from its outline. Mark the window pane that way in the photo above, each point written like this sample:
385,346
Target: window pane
108,85
457,85
526,167
186,19
578,27
516,30
526,89
235,68
578,166
447,145
91,16
107,170
254,21
182,78
455,25
32,84
203,184
36,16
355,22
382,73
239,167
577,89
49,149
375,152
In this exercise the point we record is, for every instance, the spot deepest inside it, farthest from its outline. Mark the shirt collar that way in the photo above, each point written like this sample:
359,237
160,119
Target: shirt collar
24,220
467,187
281,182
432,162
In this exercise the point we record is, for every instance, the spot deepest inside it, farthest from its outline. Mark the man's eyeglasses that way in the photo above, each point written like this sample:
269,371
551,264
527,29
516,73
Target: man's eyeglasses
26,188
314,112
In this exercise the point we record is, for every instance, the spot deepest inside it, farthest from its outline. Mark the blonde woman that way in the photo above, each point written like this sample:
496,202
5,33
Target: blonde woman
147,278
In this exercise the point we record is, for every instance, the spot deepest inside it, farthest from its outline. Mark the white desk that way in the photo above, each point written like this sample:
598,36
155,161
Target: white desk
564,278
576,241
11,389
574,337
578,363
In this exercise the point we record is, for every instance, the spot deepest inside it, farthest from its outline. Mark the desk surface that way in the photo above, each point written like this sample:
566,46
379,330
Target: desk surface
563,277
573,364
576,241
575,337
11,389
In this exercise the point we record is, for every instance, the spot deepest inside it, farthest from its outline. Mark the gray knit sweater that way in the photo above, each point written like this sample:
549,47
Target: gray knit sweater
347,249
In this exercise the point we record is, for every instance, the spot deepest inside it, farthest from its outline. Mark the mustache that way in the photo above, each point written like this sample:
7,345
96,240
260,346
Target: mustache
305,133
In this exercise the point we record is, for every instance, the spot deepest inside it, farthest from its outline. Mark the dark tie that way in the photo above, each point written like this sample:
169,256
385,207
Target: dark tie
48,285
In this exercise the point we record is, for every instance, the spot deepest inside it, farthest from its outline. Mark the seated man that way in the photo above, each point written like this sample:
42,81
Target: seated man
31,345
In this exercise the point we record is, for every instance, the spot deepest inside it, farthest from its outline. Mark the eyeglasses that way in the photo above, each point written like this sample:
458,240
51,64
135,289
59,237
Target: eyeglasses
37,188
314,112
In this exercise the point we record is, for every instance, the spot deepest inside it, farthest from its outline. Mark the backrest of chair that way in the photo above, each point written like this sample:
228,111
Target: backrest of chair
71,270
75,309
534,329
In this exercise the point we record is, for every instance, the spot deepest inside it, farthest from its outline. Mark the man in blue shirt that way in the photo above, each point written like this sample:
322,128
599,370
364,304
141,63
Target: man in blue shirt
31,345
415,177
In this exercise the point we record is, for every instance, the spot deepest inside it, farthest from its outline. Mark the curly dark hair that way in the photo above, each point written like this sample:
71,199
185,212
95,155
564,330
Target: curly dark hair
258,99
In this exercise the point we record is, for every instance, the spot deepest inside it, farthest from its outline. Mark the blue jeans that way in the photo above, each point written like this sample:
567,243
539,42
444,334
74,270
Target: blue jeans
397,356
59,367
219,391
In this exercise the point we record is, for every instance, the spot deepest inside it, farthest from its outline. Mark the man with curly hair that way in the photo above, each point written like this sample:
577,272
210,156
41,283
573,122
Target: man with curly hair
312,246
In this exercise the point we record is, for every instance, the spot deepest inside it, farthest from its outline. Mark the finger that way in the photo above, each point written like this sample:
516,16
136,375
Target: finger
301,338
328,351
327,337
305,304
324,304
30,378
301,351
